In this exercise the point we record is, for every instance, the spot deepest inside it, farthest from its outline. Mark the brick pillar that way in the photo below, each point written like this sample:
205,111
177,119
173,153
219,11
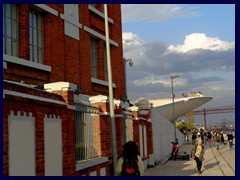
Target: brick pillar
23,29
105,125
5,141
66,90
136,127
39,139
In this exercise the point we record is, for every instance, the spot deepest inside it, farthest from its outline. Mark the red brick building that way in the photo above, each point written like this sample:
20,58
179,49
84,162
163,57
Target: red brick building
55,105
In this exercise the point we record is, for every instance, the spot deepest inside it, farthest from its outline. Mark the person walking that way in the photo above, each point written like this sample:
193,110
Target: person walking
194,137
209,137
218,139
222,139
225,138
130,163
205,137
198,155
230,140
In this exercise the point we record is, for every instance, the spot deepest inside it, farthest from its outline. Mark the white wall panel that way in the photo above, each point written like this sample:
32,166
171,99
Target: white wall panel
53,146
21,145
93,173
103,171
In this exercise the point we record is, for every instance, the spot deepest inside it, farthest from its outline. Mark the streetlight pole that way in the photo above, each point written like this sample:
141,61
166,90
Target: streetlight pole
125,96
187,128
110,88
130,64
174,122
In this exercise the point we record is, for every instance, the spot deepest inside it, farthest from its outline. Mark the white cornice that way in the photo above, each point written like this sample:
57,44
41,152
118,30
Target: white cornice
133,108
98,98
60,86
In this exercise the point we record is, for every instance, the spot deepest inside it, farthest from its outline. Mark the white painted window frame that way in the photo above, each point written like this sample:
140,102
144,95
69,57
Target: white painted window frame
27,63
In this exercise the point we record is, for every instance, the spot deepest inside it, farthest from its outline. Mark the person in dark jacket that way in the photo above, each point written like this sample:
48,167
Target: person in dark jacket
132,156
230,140
198,155
194,137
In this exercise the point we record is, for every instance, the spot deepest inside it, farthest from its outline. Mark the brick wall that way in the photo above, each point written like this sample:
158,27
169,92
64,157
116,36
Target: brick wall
69,58
38,110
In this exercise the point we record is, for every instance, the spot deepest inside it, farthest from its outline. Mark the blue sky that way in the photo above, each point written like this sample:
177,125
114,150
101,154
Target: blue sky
216,20
196,41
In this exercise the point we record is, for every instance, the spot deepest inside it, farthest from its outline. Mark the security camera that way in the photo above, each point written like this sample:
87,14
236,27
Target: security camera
130,62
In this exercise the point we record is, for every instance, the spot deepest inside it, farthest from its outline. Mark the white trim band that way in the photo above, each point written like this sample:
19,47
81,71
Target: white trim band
14,93
99,13
99,35
47,8
25,62
101,82
75,23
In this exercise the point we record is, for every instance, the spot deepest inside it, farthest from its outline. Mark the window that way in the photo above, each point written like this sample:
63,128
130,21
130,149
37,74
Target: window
85,147
105,64
10,30
36,36
93,51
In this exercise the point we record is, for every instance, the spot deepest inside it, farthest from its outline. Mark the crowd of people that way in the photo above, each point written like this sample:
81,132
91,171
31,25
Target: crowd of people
215,138
130,163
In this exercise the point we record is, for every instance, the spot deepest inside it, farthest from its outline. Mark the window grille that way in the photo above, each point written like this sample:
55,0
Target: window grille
84,131
36,36
94,65
105,64
10,30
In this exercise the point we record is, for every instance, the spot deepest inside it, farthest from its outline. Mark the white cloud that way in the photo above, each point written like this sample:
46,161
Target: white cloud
201,41
130,39
152,79
153,12
204,69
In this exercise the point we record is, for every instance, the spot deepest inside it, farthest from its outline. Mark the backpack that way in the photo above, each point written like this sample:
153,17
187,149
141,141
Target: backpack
130,168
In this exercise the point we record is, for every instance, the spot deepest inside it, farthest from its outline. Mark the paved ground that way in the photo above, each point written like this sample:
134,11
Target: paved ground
217,163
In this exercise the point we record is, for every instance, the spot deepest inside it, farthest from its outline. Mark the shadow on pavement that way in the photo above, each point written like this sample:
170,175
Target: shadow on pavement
209,166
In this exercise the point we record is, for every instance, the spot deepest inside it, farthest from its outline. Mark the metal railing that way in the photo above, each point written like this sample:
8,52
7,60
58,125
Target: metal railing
84,131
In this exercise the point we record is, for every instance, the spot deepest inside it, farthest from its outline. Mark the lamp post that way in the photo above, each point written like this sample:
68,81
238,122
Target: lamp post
130,62
110,88
187,128
174,122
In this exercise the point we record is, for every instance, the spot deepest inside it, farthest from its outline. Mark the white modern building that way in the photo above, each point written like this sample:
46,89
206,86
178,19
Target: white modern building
162,122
